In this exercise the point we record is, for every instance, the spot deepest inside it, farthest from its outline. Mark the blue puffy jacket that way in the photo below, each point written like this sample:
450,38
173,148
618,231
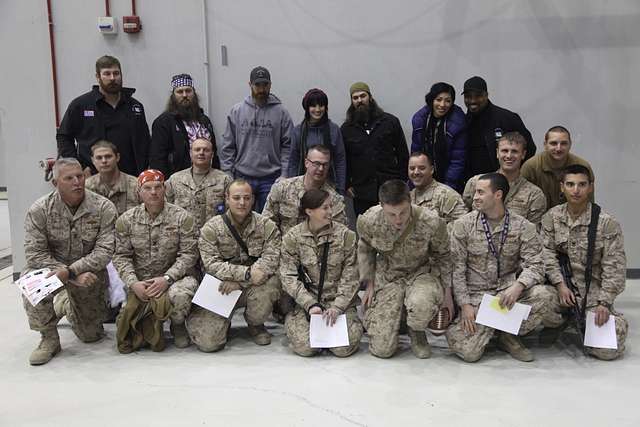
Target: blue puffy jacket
456,135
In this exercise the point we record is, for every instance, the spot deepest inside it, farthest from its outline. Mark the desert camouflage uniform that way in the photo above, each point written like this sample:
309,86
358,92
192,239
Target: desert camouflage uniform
283,202
166,245
81,241
223,258
398,264
475,272
124,194
301,247
523,198
441,198
203,200
561,234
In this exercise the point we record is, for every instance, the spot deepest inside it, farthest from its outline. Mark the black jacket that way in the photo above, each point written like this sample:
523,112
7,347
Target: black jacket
169,151
374,158
82,124
494,122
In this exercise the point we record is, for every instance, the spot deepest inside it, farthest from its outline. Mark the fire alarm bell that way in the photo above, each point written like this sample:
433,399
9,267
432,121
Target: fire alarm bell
131,24
107,25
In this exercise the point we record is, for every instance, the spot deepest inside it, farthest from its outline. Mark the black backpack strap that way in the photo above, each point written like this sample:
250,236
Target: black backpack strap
323,269
235,235
591,244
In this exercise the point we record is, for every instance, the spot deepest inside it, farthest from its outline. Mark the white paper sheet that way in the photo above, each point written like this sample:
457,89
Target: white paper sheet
600,336
323,336
117,294
35,287
208,296
493,315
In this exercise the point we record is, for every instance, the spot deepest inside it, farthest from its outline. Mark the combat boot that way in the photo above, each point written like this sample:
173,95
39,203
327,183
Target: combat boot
512,345
49,346
259,334
419,344
180,335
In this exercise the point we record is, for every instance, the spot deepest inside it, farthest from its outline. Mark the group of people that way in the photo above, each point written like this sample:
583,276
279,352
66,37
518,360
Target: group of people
265,213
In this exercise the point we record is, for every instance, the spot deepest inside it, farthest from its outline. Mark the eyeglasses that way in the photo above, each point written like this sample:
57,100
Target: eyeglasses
318,165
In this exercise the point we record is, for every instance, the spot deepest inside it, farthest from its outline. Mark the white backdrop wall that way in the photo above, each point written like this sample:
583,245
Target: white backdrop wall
573,63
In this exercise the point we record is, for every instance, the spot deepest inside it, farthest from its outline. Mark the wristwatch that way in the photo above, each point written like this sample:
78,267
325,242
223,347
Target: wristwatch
605,304
247,275
168,279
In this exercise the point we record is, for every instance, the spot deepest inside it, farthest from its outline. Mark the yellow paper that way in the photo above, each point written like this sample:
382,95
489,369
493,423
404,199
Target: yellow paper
495,304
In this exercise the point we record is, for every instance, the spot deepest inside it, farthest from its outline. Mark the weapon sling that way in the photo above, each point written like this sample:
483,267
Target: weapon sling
237,237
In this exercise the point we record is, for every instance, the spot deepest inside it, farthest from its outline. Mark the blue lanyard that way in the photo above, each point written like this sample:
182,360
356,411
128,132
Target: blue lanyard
503,236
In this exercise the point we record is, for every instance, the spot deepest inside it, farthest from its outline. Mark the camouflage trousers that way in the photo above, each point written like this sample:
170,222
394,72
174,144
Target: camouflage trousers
471,347
84,307
180,295
421,296
297,329
208,330
557,315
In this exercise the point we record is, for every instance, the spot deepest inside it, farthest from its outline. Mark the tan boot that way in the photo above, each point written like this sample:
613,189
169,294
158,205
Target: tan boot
512,345
49,346
419,344
259,334
180,335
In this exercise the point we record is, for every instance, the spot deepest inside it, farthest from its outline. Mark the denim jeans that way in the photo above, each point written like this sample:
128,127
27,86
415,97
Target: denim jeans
261,188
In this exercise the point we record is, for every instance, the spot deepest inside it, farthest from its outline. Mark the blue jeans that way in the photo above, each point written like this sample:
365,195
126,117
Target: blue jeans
261,188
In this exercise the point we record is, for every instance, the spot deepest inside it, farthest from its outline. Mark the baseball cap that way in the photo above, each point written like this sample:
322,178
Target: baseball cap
260,75
475,84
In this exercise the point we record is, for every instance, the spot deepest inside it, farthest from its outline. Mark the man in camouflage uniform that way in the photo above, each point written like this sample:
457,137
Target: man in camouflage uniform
283,202
397,240
156,246
200,188
69,231
564,230
110,182
303,246
253,273
524,198
431,194
494,252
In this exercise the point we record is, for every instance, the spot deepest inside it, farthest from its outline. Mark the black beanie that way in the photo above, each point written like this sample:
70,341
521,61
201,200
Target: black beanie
437,89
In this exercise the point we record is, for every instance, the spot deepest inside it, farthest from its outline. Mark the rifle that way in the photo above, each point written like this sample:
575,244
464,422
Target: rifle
576,312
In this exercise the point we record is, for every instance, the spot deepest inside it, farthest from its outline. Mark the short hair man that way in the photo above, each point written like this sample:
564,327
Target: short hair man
283,202
200,188
375,146
121,189
69,231
544,169
496,252
256,143
431,194
397,242
565,231
487,123
110,112
253,271
524,198
178,127
156,247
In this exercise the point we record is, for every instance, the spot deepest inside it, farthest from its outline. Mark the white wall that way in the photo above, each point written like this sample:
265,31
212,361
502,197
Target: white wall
573,62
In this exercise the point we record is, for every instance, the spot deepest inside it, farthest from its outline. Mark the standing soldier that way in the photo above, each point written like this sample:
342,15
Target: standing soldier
325,253
69,231
524,198
565,232
199,189
431,194
242,249
494,252
396,243
110,182
155,248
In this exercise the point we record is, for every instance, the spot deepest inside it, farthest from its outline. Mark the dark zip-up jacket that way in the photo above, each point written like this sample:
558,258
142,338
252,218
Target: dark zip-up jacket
169,150
82,126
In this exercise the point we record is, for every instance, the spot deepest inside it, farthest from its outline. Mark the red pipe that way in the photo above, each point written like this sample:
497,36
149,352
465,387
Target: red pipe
107,8
133,7
54,73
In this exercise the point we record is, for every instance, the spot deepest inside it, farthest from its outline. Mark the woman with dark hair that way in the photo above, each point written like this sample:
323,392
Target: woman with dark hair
439,129
316,128
318,269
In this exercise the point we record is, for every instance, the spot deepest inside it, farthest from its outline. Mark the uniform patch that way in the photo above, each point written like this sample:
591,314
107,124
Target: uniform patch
89,113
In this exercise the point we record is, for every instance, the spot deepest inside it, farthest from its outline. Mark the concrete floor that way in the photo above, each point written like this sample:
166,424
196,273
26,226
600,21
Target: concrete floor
91,384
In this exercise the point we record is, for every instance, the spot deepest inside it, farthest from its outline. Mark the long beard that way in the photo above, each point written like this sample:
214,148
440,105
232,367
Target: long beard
188,112
362,114
111,88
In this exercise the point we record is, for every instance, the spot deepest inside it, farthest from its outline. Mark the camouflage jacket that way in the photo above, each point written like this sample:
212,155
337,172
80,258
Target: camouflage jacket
441,198
124,194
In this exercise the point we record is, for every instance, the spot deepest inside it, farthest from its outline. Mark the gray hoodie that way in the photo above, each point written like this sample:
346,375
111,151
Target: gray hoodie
257,139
